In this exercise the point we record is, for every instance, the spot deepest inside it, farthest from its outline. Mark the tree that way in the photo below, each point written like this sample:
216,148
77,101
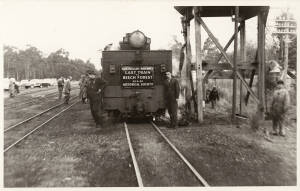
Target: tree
29,64
176,46
10,61
210,50
293,54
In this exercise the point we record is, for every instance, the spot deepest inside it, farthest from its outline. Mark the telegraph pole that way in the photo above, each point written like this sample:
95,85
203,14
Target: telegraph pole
285,58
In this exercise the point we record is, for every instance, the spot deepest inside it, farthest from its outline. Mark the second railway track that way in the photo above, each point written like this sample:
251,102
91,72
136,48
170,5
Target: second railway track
157,162
14,136
35,99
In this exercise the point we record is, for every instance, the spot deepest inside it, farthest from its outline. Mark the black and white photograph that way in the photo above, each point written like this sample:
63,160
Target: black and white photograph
157,94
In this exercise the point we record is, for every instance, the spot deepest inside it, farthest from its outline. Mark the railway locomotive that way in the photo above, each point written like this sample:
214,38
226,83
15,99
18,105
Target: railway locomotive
135,76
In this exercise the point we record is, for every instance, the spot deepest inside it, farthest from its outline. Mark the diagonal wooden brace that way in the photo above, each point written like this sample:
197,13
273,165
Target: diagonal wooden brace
221,55
199,19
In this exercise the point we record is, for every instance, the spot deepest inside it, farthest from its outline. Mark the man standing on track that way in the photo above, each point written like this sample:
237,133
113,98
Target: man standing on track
95,89
60,86
171,92
67,89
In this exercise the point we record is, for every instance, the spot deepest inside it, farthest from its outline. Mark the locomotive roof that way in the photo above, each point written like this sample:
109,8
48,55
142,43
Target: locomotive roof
245,12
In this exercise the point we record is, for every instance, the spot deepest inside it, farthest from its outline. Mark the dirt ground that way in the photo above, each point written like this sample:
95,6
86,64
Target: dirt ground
71,152
231,155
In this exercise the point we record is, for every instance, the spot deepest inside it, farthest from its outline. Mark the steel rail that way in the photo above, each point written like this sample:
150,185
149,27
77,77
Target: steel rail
41,125
31,91
31,100
198,176
136,167
32,117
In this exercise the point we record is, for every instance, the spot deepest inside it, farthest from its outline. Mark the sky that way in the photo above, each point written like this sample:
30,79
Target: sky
83,28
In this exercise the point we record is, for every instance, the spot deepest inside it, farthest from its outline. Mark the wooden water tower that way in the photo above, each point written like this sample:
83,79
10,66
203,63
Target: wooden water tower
239,15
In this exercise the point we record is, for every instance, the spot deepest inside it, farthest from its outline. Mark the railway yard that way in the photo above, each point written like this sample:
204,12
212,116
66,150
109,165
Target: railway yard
50,144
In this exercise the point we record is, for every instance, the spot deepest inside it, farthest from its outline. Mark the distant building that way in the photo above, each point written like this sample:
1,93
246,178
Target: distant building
285,25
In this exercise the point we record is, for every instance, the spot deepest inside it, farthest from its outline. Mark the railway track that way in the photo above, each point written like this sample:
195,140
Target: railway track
18,136
29,101
35,99
30,92
196,175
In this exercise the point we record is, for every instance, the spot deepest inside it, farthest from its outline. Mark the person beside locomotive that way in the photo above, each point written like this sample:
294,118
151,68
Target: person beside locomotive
171,94
67,89
83,82
95,87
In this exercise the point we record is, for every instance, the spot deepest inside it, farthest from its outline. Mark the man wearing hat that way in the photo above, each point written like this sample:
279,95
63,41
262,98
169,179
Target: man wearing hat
279,108
94,93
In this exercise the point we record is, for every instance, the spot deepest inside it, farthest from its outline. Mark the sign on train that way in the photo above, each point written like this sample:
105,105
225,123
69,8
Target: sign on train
137,76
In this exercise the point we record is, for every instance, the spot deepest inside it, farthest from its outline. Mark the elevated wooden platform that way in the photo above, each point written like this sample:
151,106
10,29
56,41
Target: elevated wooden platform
226,66
245,12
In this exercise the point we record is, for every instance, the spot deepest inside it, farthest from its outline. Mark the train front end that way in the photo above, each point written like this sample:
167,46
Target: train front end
135,76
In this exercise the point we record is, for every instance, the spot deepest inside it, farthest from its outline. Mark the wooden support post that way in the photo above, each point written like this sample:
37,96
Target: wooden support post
235,60
188,94
243,57
261,64
218,45
198,65
193,92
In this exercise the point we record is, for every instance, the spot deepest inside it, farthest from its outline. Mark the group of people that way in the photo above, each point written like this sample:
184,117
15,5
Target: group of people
91,88
279,105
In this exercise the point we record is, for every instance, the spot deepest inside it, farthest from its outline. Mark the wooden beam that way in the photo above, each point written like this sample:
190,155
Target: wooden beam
250,84
198,65
193,92
226,57
227,66
235,60
291,75
243,56
261,62
221,55
188,92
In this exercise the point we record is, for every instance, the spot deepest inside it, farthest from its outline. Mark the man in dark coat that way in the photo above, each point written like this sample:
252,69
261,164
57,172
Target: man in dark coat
95,89
171,93
213,97
279,108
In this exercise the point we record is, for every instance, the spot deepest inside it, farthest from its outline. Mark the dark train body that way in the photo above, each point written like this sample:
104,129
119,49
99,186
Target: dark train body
135,76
